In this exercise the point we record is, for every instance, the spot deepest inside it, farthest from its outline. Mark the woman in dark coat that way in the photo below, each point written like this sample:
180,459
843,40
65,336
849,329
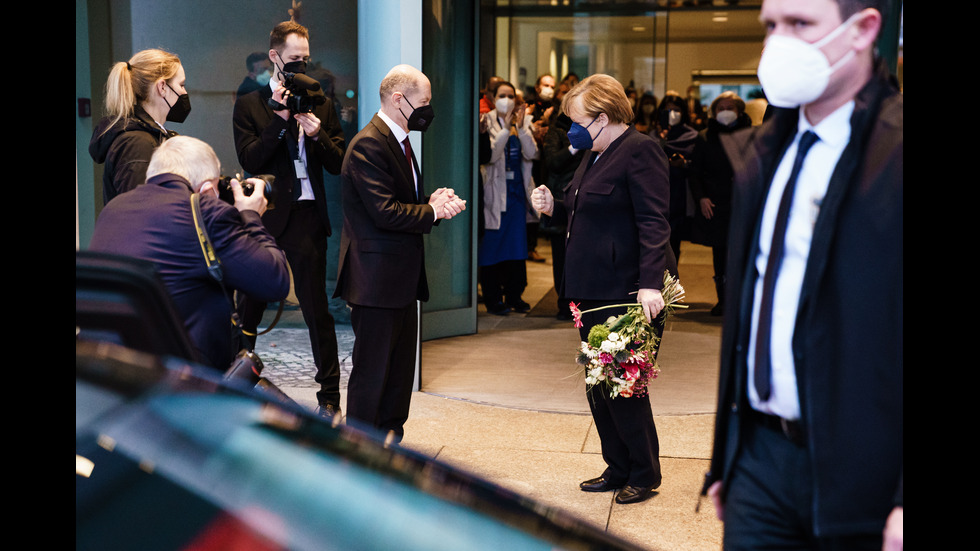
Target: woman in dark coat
617,249
711,185
677,137
141,95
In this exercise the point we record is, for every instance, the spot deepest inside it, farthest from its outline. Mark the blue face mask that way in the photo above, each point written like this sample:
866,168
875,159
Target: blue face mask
579,137
264,77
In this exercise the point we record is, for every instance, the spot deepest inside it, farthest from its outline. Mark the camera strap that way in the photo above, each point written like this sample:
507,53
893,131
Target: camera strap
214,270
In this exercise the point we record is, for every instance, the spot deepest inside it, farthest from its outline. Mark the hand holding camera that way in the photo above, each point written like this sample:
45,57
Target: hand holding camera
309,123
297,93
255,200
243,195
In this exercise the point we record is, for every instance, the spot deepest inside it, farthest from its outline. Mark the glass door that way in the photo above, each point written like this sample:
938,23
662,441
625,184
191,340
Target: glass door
449,146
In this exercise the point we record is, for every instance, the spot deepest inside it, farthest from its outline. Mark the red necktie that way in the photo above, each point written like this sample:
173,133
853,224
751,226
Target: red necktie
411,166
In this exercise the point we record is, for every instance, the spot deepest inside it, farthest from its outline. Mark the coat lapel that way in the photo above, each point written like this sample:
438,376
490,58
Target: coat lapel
396,151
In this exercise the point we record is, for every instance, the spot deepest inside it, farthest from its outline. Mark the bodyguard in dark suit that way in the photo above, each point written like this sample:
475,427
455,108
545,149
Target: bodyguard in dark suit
617,249
295,147
808,448
382,261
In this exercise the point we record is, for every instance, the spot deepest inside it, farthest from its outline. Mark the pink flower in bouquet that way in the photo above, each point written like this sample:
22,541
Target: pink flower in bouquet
626,391
606,357
576,314
632,371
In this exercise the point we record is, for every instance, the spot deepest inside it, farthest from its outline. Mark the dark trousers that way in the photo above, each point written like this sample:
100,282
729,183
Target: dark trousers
627,433
379,392
503,282
769,498
304,240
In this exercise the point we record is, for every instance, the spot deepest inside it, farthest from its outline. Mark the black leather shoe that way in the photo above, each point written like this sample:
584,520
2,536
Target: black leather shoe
498,309
634,494
599,484
329,412
520,307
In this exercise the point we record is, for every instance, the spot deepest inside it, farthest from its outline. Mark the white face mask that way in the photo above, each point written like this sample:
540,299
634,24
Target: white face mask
504,105
547,92
726,117
674,118
794,72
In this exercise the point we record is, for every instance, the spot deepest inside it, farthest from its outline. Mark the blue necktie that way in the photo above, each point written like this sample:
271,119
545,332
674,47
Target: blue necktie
763,376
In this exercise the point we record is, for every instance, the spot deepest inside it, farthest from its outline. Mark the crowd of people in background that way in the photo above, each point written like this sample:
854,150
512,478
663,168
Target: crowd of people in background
808,442
524,143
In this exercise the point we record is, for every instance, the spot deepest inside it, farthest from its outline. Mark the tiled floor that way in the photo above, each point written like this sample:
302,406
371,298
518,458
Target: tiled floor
508,404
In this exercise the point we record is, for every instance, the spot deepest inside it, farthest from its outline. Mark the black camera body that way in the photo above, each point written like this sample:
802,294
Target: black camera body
303,94
226,195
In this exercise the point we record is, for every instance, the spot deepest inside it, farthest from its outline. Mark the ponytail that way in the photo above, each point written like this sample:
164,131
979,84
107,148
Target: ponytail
131,82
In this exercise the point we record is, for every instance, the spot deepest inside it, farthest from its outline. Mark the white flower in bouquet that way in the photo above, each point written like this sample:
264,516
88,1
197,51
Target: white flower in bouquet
622,351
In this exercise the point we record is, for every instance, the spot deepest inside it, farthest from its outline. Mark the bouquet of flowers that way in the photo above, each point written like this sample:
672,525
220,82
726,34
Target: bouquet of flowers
622,352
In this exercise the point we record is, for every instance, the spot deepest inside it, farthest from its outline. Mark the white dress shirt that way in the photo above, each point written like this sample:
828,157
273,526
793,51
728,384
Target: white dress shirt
833,132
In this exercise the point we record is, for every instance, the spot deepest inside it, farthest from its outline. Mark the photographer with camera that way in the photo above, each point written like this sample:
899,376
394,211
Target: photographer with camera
155,222
290,129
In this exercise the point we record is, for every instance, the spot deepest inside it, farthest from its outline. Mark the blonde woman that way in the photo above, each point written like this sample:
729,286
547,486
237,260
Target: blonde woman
140,96
616,250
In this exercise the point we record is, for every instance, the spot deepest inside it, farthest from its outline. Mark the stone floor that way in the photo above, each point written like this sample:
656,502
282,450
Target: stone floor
481,409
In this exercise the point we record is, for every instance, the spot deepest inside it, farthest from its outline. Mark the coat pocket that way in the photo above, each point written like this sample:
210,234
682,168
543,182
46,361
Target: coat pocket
600,188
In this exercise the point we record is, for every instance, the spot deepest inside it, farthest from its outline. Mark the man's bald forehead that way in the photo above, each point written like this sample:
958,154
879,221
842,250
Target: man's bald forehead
402,78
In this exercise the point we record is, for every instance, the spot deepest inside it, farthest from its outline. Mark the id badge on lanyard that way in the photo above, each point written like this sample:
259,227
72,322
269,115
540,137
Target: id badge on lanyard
300,168
298,164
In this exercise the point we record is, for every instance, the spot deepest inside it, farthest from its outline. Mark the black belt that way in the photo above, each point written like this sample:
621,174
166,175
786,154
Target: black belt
792,430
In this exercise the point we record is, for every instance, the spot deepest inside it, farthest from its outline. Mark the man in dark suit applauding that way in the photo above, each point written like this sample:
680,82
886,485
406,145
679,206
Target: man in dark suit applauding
382,262
295,144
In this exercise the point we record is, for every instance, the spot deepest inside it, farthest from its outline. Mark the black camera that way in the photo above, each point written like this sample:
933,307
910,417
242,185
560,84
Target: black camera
303,94
226,195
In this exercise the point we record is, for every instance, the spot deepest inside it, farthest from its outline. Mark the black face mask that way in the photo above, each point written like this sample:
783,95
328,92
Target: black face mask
180,109
292,67
295,67
420,118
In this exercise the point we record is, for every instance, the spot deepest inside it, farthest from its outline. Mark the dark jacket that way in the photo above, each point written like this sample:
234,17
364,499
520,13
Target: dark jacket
617,221
848,337
263,140
382,259
711,177
125,147
679,145
155,222
561,164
